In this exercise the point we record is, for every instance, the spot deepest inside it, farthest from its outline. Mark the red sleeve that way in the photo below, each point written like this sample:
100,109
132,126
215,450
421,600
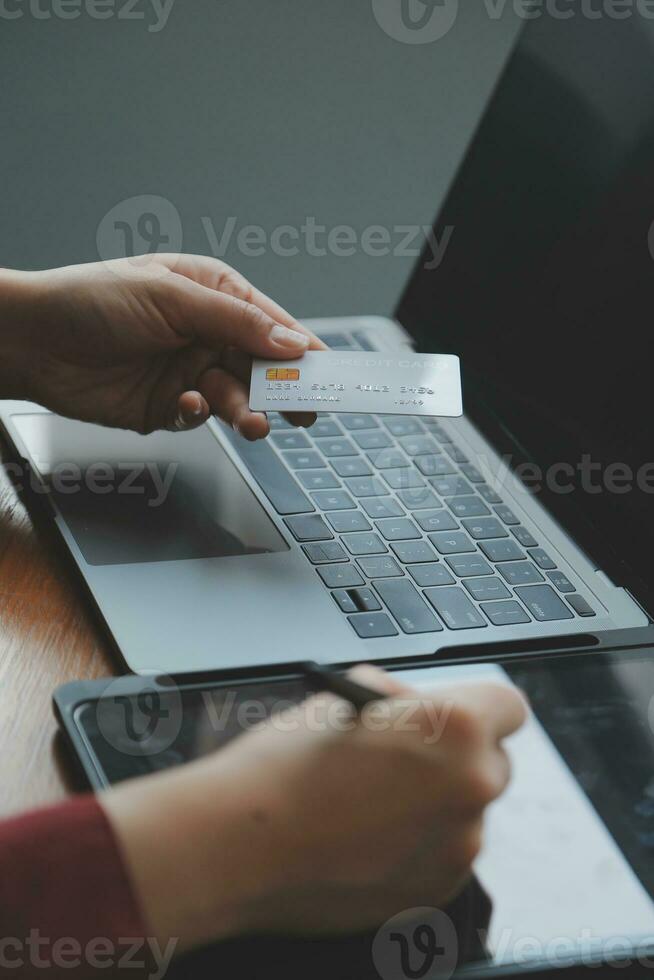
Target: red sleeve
66,903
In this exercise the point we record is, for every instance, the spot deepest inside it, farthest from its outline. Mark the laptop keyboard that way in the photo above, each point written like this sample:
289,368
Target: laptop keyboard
402,528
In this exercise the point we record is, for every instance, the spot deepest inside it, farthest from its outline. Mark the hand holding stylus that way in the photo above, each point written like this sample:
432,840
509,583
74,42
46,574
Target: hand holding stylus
322,820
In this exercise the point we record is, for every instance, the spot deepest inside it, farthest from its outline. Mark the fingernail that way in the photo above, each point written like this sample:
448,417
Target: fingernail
288,338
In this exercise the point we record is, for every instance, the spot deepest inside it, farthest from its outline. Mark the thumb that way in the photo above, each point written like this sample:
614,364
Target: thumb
216,320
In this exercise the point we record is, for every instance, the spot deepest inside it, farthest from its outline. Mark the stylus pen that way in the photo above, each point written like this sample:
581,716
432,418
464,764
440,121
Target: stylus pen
322,679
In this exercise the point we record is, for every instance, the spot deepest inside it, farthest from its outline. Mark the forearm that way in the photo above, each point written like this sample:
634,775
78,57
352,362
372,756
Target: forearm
203,850
66,902
19,346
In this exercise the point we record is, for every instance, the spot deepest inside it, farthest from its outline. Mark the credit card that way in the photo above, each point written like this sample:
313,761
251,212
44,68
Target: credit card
359,382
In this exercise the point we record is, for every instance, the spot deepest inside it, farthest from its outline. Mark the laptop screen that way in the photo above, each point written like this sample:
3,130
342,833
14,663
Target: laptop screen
546,287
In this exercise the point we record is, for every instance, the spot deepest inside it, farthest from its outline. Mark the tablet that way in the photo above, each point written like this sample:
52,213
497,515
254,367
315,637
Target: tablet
568,854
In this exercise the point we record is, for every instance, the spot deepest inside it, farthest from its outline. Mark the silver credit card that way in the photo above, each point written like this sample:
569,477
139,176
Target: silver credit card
359,381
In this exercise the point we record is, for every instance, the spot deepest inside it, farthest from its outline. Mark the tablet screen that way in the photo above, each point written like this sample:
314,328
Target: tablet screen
567,856
568,850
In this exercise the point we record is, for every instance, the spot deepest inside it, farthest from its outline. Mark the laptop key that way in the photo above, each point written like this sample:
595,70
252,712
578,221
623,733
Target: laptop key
366,543
344,601
366,486
430,575
290,440
318,480
333,500
487,589
418,445
372,440
580,605
505,613
422,498
309,460
435,466
365,600
363,340
472,473
413,551
484,528
452,486
525,537
455,608
278,422
456,454
403,479
561,581
320,554
337,447
308,528
452,542
436,520
272,476
489,495
351,466
325,428
403,426
370,626
506,514
542,559
468,507
357,422
398,529
339,576
338,341
407,606
468,566
345,521
388,459
520,573
543,603
502,550
381,567
380,507
437,430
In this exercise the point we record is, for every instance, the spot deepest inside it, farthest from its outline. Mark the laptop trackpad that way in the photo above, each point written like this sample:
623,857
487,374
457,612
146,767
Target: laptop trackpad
128,498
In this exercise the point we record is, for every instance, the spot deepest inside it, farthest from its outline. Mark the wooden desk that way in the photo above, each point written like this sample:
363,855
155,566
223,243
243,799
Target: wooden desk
47,637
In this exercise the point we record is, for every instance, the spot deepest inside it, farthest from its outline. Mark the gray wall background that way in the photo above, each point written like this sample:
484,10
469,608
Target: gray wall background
267,111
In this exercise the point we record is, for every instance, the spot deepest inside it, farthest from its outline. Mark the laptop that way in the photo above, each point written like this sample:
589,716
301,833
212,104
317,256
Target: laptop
376,537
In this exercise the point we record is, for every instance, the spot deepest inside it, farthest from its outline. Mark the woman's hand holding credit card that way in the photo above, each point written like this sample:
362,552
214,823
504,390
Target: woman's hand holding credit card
359,382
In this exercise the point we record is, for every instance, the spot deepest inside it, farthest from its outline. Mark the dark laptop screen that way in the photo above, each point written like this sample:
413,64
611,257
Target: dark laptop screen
546,289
